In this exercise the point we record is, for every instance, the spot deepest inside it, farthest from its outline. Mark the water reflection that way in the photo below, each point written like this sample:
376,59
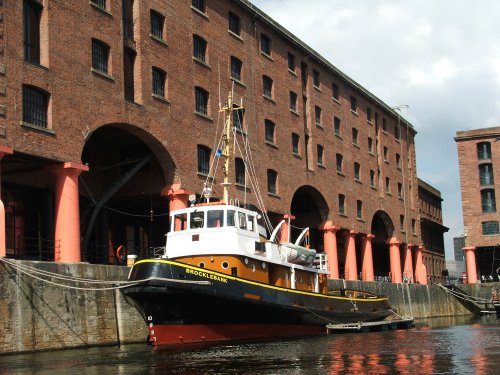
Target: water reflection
432,347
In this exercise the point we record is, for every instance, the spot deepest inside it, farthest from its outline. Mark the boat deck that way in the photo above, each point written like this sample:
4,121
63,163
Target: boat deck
362,327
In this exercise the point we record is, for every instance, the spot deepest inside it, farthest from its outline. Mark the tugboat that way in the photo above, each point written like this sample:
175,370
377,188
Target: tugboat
220,278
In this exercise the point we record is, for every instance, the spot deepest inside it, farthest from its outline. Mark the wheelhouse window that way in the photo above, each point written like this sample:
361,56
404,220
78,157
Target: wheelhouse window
100,56
239,167
32,13
486,174
234,24
242,220
35,106
201,101
215,218
488,200
272,179
267,87
157,24
203,160
180,222
199,48
236,66
231,218
197,220
159,82
199,5
270,131
484,150
265,44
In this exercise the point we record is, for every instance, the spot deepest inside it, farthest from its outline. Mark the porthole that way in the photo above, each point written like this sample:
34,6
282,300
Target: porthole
246,261
211,259
225,265
253,268
263,265
201,265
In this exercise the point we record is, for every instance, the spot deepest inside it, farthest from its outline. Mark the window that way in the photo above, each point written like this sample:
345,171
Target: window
128,19
384,124
128,73
359,209
215,218
413,226
336,126
295,144
315,78
354,104
320,151
354,136
402,222
400,190
265,44
486,174
386,152
335,91
397,132
159,80
291,62
203,160
490,227
197,220
198,4
270,127
157,24
372,178
238,117
32,13
387,185
35,106
317,114
342,204
339,159
239,167
488,200
199,48
272,177
368,114
201,101
234,24
236,65
99,3
398,161
357,168
293,101
370,145
267,86
100,56
484,150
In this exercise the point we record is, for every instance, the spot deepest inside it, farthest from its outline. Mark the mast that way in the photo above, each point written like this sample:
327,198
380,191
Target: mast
228,109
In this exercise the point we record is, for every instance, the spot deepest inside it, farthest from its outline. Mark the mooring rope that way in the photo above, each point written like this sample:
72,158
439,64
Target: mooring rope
464,296
117,284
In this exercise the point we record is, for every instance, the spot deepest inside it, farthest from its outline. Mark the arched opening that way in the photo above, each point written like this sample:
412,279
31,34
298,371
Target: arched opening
310,210
121,202
383,229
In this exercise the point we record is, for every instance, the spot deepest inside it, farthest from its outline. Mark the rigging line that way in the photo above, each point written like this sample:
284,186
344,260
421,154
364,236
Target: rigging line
465,296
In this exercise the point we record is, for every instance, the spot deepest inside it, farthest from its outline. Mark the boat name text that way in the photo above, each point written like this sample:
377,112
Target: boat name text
207,275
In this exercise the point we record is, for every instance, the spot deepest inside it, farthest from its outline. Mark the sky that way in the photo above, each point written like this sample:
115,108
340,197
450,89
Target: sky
440,57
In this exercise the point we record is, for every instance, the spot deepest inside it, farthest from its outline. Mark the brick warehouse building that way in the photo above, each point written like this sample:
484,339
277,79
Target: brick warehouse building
479,171
104,123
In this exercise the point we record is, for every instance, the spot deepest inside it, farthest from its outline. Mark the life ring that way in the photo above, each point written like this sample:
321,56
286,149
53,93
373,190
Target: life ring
119,254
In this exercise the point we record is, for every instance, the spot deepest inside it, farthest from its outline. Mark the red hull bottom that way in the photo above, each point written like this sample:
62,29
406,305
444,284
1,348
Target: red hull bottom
181,334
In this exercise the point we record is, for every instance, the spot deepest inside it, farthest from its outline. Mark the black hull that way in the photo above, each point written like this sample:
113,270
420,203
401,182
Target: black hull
183,295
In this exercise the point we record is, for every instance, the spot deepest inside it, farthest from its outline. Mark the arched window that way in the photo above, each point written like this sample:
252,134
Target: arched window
35,106
203,160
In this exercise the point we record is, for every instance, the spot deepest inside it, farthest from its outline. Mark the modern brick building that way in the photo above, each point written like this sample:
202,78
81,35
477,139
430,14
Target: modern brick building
432,230
477,152
108,113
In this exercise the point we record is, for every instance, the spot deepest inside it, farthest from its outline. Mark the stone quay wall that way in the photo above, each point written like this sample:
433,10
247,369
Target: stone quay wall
36,315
